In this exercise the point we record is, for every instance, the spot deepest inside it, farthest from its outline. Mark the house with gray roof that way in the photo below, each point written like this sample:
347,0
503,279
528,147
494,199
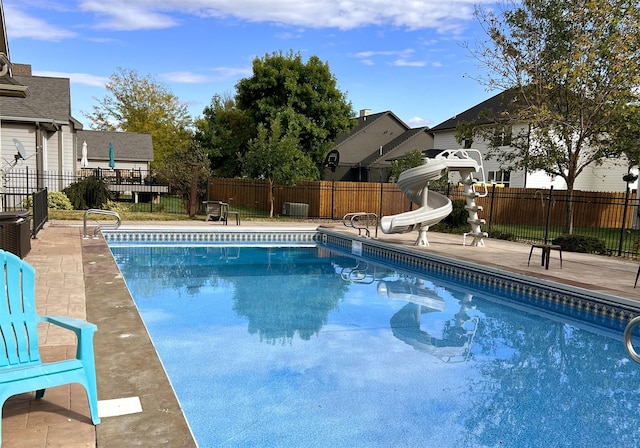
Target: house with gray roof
376,139
39,137
133,151
604,177
41,125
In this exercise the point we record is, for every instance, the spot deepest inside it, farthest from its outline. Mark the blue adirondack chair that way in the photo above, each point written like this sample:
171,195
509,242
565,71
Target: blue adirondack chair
21,369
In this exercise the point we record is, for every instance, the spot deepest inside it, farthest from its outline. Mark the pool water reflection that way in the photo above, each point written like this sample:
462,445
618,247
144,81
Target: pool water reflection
306,347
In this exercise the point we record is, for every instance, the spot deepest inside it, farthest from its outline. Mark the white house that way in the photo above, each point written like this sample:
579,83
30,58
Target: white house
606,177
40,125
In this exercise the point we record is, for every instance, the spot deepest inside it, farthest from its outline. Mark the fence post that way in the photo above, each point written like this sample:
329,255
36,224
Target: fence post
333,194
624,219
546,228
493,197
193,191
381,194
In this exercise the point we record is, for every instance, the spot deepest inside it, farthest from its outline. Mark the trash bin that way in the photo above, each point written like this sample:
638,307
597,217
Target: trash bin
15,233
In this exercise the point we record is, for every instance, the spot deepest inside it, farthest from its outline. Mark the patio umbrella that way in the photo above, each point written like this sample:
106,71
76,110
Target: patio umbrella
84,162
112,156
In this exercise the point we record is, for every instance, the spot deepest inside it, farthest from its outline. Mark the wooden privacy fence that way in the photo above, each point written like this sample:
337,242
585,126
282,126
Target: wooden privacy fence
527,206
325,199
502,206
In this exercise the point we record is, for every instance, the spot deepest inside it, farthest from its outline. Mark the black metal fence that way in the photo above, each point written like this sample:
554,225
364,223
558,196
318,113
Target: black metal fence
40,210
540,216
135,190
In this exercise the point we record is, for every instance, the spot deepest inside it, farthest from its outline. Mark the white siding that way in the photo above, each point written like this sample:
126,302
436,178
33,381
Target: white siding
27,136
447,140
52,152
606,177
69,151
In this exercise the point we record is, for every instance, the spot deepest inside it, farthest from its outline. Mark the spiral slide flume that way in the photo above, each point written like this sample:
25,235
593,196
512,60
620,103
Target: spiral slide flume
433,206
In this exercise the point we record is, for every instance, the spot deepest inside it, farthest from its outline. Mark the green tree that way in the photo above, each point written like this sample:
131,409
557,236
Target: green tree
275,156
571,69
137,103
411,159
305,97
626,137
180,169
224,133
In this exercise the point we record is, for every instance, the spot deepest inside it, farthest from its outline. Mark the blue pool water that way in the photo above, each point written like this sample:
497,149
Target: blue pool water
303,347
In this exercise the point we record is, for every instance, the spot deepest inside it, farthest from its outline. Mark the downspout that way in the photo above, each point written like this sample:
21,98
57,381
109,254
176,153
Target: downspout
39,161
60,158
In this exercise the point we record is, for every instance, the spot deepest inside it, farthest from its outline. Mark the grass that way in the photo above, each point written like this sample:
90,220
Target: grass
609,236
78,215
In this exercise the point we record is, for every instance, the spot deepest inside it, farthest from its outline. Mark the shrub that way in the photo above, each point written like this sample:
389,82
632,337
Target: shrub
580,243
88,193
56,200
458,216
497,234
116,206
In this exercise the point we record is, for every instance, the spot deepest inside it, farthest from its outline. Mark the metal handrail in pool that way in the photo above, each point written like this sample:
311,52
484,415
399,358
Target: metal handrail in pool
97,211
361,221
627,338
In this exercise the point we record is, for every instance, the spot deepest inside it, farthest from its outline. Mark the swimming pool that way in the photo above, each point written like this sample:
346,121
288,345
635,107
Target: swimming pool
369,353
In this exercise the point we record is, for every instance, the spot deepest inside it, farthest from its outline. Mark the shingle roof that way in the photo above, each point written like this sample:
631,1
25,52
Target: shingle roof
393,144
128,146
50,100
11,87
478,113
8,86
365,121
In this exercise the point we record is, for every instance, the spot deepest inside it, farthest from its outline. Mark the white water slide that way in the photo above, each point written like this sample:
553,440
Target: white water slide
433,206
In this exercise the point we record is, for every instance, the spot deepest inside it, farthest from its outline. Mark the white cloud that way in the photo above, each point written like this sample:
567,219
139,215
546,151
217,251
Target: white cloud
406,63
446,17
76,78
224,73
184,77
417,122
401,58
217,74
21,25
128,15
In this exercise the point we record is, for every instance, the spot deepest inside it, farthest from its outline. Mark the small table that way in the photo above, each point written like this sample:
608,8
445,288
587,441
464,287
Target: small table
546,253
237,214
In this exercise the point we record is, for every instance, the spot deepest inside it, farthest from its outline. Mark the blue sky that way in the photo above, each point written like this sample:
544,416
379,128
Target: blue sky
406,56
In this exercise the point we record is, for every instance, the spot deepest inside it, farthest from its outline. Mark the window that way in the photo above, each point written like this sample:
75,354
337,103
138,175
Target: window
467,142
499,177
502,136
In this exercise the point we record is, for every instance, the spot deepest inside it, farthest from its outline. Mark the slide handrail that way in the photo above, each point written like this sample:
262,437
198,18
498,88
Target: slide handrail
97,211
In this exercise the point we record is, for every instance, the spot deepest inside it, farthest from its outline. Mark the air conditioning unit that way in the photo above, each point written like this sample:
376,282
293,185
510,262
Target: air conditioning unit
295,209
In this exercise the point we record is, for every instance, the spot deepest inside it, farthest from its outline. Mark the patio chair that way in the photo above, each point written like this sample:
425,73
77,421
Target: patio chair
21,368
219,211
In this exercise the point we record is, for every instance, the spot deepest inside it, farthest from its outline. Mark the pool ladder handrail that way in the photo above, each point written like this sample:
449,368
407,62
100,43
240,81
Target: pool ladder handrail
628,332
99,227
361,221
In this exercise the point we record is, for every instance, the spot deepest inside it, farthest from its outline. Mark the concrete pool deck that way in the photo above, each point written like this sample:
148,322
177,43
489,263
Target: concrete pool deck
78,278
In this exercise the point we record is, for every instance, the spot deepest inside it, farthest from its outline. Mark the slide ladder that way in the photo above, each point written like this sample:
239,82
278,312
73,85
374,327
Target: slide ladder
433,206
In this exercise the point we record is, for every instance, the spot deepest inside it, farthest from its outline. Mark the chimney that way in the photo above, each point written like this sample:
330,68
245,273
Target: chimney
21,69
365,112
